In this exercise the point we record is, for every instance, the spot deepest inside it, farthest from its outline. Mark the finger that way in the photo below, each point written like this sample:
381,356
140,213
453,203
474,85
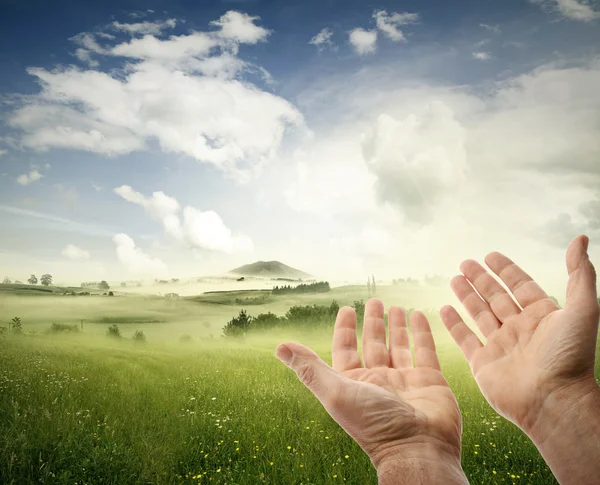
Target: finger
466,339
425,353
312,371
581,288
400,354
345,346
498,300
521,285
479,310
375,352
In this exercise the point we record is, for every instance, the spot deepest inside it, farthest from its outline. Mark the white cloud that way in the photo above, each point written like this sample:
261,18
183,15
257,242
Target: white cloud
197,229
417,160
3,152
240,27
28,178
153,28
323,40
571,9
208,113
75,254
134,258
389,24
363,41
207,230
481,56
491,28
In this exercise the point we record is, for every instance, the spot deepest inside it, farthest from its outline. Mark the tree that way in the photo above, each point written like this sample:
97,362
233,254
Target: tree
237,326
374,286
104,285
6,281
32,280
46,279
17,327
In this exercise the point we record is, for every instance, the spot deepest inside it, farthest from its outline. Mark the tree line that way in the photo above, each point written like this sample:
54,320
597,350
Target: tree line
318,287
45,279
309,316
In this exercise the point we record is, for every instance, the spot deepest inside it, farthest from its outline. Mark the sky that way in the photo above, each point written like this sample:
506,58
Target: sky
143,140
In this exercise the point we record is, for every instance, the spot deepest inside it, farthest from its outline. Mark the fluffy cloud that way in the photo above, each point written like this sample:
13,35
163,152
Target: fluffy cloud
418,159
240,27
3,152
571,9
28,178
134,258
195,228
495,163
389,24
363,41
75,254
153,28
323,40
208,112
481,56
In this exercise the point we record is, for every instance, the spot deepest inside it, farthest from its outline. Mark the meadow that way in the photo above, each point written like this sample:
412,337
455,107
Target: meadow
86,408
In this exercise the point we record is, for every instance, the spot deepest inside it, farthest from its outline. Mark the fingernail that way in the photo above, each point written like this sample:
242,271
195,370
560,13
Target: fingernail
284,354
586,243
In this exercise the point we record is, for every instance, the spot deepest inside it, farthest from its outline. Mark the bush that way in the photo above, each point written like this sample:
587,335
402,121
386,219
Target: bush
185,338
113,331
110,293
17,327
139,336
237,326
3,331
63,327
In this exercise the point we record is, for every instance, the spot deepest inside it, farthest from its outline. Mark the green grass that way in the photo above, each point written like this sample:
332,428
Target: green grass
84,408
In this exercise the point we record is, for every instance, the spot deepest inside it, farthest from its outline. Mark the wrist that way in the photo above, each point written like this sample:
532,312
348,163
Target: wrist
563,406
420,463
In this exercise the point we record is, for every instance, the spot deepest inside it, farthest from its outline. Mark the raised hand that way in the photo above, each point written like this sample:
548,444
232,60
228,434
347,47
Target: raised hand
534,349
405,418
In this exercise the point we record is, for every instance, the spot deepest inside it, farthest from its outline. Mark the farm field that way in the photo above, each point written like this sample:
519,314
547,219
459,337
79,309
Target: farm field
85,408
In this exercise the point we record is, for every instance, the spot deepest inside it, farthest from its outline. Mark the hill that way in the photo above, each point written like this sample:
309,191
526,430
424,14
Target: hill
270,269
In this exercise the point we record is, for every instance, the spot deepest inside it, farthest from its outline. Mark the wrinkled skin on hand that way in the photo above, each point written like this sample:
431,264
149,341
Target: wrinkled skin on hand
392,409
534,350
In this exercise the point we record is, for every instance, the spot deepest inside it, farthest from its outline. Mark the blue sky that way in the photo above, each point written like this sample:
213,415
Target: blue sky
147,139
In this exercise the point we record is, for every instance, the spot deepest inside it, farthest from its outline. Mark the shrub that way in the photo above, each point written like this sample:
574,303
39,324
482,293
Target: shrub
110,293
3,331
237,326
63,327
113,331
139,336
185,338
17,327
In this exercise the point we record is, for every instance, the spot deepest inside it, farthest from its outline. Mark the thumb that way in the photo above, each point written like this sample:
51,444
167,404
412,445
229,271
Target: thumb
581,287
312,371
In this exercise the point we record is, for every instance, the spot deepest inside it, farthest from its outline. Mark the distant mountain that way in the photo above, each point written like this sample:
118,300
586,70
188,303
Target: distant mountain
270,269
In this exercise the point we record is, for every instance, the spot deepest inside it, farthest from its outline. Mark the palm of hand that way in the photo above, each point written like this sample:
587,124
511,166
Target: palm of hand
526,359
388,403
530,352
385,406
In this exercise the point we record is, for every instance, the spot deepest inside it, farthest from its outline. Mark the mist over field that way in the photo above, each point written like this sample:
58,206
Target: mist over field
186,185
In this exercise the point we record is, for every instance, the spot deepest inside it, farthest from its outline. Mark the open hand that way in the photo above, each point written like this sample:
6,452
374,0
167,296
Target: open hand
393,410
534,351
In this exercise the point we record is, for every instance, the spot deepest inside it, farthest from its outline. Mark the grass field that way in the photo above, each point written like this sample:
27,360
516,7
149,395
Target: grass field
88,409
